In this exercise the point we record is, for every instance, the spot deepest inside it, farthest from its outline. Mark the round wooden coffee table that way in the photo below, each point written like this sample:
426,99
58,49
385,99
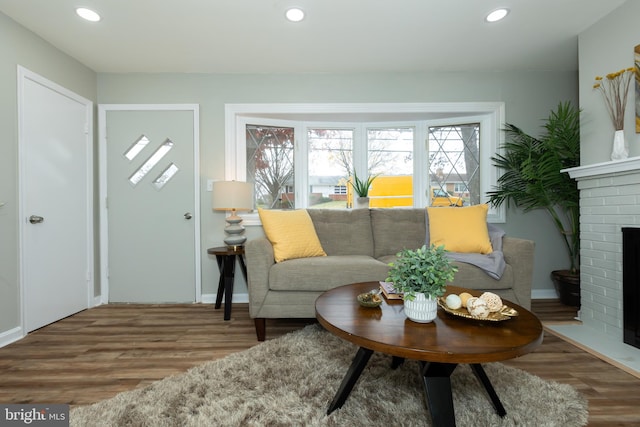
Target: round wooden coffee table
439,346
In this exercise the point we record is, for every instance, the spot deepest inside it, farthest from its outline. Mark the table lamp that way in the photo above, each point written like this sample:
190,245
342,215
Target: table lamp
233,196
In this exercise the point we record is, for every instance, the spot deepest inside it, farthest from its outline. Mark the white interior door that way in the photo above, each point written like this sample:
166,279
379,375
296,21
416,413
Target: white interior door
55,146
151,203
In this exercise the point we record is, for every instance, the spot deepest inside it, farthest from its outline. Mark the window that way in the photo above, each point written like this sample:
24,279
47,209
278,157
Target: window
270,165
303,155
340,189
454,162
330,160
460,187
390,160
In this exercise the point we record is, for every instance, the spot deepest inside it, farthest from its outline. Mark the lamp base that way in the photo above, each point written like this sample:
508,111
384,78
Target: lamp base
235,248
234,231
234,241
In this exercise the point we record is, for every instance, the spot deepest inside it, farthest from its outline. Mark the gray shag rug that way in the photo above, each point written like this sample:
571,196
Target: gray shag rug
289,381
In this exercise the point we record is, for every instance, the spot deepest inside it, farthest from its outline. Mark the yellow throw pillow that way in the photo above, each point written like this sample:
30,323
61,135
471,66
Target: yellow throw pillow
460,229
291,233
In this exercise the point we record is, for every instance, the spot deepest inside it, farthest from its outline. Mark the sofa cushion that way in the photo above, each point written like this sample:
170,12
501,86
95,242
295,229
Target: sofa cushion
470,276
343,231
460,229
324,273
291,233
396,229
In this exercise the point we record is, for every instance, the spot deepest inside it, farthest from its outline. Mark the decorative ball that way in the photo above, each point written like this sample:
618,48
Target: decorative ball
453,301
480,310
477,307
494,302
465,297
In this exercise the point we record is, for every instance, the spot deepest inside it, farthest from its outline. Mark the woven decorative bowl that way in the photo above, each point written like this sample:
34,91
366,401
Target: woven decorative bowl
369,300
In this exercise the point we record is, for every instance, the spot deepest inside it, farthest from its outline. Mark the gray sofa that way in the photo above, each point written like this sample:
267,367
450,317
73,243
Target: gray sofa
360,243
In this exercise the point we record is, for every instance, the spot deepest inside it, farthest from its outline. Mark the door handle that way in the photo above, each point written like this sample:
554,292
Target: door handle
188,215
35,219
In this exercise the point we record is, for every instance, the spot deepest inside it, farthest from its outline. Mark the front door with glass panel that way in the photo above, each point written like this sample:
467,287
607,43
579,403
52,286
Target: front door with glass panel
151,205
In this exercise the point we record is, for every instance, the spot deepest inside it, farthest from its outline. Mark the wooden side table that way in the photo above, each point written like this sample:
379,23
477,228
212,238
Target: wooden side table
226,258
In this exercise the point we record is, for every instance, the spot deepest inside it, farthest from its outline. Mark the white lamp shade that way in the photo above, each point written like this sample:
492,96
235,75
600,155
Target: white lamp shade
232,195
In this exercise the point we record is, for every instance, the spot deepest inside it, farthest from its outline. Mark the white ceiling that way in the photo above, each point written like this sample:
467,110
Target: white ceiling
252,36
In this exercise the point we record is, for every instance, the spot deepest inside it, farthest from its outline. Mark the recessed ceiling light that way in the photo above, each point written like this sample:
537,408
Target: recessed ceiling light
88,14
295,14
497,15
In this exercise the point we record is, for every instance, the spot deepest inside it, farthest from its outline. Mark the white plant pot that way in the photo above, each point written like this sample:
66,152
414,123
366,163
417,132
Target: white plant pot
423,309
362,203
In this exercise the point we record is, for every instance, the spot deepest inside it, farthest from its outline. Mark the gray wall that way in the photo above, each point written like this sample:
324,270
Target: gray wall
21,47
529,96
606,47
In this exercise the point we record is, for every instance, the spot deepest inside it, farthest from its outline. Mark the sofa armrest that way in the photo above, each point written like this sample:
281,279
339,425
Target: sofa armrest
518,253
259,255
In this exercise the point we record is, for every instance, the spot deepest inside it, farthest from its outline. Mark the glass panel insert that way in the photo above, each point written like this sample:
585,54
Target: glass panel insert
390,157
151,162
454,165
330,160
165,176
270,165
137,147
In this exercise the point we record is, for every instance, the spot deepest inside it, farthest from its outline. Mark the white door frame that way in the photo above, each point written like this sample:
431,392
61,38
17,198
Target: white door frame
104,219
23,75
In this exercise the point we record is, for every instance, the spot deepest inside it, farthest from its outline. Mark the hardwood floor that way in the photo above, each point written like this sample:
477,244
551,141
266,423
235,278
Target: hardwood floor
100,352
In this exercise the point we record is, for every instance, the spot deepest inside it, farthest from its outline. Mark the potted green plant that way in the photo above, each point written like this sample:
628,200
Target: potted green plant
361,188
532,179
421,275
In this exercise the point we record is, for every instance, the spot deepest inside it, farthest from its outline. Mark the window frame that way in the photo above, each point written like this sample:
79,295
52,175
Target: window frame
490,115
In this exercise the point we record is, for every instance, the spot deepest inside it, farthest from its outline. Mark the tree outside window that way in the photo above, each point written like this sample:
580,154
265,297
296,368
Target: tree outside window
270,165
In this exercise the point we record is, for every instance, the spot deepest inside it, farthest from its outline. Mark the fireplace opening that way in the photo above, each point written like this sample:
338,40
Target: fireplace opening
631,285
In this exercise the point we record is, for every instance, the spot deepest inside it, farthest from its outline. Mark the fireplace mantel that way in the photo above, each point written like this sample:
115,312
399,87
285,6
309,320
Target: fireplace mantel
631,164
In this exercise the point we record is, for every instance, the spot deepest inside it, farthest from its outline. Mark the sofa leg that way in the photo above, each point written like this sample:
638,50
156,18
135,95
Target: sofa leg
261,328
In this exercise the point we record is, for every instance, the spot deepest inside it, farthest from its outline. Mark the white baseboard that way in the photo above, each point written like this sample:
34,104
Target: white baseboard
211,298
544,294
12,335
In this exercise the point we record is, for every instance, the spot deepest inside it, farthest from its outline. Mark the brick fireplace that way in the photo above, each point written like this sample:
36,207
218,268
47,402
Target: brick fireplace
609,201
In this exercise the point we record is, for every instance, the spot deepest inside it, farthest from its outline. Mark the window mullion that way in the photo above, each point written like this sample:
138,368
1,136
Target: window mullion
420,173
301,165
360,151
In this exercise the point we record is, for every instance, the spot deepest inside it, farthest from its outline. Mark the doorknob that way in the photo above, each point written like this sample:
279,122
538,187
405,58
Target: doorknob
35,219
188,215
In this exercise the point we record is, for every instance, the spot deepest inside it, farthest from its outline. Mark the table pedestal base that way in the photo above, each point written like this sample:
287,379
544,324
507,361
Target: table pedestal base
357,366
436,378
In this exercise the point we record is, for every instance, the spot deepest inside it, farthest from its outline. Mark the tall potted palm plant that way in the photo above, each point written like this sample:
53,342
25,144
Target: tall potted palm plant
532,179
